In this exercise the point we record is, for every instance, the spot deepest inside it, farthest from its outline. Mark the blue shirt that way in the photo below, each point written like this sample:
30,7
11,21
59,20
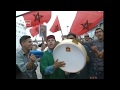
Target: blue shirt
98,62
21,62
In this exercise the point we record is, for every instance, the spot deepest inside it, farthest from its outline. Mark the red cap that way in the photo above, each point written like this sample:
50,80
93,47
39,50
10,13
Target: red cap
50,36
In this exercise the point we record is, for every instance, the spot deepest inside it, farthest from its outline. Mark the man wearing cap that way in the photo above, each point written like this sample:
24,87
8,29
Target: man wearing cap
49,68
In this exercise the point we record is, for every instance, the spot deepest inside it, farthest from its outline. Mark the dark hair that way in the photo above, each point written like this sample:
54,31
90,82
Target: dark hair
98,29
65,36
23,38
71,34
50,36
40,45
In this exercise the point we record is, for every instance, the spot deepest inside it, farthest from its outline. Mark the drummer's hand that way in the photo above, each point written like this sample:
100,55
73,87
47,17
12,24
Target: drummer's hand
67,73
78,72
59,64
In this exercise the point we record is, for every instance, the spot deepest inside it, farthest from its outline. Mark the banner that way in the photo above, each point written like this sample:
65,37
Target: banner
43,31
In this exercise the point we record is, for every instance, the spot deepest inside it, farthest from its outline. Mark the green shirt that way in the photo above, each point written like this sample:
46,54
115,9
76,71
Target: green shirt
47,60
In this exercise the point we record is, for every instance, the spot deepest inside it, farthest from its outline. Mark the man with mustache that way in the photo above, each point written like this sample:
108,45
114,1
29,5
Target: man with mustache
49,68
97,47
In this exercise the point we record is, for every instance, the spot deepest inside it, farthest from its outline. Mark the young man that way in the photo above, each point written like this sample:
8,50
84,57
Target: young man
97,47
86,72
86,39
49,68
26,63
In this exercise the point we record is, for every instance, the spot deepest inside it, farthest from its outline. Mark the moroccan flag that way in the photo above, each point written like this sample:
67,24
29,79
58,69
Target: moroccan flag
34,18
85,21
56,26
34,30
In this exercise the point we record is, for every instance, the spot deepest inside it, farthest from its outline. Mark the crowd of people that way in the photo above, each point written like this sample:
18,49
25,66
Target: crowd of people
26,64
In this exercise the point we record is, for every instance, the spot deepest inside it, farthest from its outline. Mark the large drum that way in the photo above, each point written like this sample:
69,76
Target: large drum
72,53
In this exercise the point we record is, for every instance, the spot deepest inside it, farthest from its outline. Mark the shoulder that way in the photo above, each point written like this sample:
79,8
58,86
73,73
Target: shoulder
45,54
45,57
45,49
19,53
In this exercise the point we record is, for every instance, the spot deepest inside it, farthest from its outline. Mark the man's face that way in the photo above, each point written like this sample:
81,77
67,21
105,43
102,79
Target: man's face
27,44
99,34
70,37
86,37
51,43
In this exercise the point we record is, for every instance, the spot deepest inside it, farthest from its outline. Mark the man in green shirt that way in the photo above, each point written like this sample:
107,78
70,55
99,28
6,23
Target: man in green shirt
49,68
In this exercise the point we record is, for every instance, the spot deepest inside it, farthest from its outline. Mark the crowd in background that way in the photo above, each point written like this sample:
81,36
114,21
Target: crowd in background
27,65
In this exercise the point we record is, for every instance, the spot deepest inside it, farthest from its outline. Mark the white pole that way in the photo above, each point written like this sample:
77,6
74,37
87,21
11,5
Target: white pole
67,29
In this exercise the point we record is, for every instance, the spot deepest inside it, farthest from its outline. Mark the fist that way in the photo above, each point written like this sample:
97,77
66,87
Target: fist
94,48
32,58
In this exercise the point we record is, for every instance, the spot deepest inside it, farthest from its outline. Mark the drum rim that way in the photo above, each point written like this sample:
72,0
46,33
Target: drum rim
85,54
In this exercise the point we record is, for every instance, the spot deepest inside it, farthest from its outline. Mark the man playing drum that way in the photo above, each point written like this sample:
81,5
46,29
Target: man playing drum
49,68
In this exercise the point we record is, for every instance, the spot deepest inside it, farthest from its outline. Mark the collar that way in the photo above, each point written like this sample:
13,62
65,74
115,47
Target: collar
23,52
100,40
50,51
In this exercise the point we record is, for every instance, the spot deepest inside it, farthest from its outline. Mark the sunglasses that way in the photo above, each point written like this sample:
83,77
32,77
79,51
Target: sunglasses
86,36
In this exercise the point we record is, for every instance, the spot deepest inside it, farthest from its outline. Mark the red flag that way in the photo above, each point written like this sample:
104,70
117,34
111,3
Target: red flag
34,30
34,18
85,21
56,26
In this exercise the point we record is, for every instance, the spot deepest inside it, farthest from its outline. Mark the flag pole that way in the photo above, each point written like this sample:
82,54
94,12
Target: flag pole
36,39
42,40
42,44
67,29
22,14
61,33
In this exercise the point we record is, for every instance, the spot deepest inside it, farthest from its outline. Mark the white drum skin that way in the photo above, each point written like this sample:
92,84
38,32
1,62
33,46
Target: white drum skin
74,55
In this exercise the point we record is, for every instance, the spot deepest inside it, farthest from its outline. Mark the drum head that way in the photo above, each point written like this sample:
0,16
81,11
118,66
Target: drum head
72,55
